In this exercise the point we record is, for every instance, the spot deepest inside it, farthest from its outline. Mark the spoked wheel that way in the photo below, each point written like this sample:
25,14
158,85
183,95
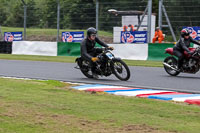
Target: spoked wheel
169,64
121,70
86,69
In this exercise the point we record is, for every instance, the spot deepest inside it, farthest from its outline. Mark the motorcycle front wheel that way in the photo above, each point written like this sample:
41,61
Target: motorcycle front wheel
120,70
172,62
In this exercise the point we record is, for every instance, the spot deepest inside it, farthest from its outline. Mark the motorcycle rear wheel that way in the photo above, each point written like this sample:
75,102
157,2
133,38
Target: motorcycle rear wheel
118,68
173,63
85,69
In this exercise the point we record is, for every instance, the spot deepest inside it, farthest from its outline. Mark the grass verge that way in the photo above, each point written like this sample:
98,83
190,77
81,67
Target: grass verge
51,106
69,59
47,32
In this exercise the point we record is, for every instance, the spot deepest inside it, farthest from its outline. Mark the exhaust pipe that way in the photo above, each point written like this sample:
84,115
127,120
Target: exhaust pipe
167,65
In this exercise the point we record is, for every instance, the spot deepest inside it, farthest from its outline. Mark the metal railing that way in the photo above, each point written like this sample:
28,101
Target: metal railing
76,15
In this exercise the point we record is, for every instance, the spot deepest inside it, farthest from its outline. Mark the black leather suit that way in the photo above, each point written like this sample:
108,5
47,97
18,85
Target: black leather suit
88,49
181,46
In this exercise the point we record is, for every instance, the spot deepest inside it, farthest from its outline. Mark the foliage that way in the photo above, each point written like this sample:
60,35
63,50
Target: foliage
74,14
81,14
182,13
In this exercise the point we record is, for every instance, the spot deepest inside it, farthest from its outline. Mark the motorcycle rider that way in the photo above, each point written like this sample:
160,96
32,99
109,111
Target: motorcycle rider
88,50
182,45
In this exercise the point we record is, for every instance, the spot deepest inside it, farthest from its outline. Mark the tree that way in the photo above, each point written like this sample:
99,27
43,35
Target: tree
2,13
183,13
32,14
80,14
15,14
108,21
50,14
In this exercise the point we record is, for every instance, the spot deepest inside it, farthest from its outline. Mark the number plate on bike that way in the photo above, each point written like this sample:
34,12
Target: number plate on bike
109,55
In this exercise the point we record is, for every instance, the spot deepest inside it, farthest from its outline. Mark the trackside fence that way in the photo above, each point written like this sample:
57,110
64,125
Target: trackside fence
149,51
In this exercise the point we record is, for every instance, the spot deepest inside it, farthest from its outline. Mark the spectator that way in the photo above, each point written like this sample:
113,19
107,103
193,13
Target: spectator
125,28
131,27
158,35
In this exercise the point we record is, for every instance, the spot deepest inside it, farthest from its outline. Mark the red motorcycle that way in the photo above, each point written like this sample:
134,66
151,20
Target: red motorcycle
191,63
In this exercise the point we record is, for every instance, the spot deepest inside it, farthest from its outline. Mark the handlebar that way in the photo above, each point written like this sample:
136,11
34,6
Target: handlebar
197,50
107,48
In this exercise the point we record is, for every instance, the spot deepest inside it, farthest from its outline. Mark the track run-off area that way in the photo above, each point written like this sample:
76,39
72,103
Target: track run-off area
141,77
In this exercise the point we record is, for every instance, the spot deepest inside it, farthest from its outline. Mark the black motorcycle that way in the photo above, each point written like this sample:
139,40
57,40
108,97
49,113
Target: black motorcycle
106,65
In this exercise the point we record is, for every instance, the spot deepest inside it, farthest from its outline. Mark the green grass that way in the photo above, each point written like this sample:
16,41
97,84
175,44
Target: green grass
66,59
47,32
169,38
70,59
144,63
50,106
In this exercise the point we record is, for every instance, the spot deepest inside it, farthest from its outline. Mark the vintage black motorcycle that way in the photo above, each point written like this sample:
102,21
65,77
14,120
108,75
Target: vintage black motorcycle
106,65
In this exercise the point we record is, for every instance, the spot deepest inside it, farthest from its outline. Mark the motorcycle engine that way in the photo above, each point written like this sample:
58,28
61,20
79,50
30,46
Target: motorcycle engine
190,65
106,69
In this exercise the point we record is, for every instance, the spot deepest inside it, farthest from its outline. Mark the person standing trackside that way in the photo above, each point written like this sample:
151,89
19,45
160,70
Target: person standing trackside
131,27
125,28
158,36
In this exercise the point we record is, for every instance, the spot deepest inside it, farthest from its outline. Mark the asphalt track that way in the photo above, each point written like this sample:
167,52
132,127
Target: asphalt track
142,77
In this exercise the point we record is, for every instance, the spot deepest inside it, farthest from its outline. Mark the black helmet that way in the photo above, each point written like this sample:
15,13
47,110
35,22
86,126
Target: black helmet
91,31
185,32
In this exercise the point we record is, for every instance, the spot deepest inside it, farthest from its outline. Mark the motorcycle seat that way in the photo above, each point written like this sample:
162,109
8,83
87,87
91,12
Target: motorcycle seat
170,51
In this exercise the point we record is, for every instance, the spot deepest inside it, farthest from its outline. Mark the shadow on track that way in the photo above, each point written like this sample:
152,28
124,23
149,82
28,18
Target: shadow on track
101,80
182,77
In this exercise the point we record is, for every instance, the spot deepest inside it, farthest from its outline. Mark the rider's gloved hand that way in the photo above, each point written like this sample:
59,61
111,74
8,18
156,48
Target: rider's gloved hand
94,59
112,48
190,53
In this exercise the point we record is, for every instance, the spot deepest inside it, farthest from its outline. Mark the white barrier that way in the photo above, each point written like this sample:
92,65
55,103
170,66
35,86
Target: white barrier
131,51
34,48
124,51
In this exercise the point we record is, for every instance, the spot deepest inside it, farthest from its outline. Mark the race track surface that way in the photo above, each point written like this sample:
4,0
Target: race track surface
142,77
